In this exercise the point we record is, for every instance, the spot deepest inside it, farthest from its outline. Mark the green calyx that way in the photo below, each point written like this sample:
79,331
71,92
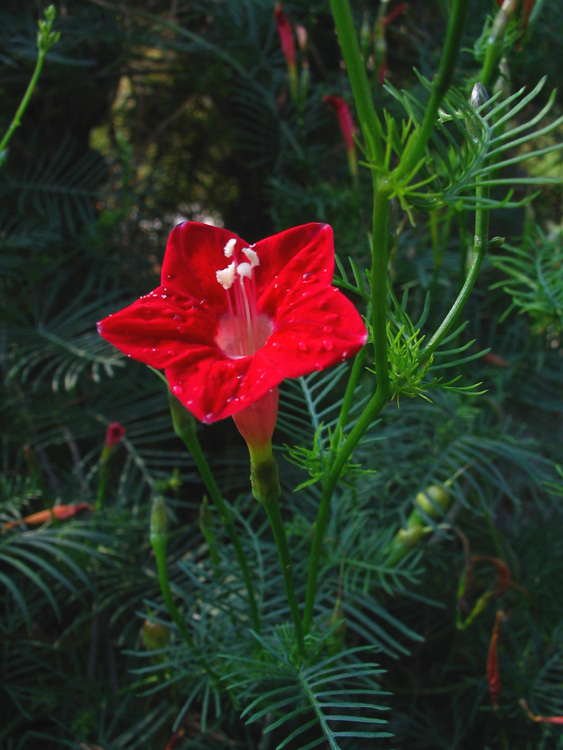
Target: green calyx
264,479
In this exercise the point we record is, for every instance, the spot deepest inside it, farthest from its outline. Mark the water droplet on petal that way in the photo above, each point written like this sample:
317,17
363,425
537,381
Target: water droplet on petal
318,365
230,365
327,329
177,390
275,345
208,417
328,345
303,346
308,278
170,276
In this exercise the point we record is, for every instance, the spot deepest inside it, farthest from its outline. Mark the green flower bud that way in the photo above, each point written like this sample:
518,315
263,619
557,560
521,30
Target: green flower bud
159,523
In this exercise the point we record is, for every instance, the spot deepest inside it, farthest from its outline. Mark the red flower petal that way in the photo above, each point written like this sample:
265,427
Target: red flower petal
159,328
175,327
193,250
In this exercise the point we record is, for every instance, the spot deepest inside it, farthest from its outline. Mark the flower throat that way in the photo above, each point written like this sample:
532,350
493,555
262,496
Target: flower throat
241,331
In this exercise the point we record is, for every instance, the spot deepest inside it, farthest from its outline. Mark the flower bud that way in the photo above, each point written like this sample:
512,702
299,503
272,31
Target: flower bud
159,523
114,434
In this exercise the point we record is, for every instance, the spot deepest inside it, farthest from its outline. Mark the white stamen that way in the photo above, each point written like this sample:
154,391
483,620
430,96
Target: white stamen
227,275
252,256
230,248
244,270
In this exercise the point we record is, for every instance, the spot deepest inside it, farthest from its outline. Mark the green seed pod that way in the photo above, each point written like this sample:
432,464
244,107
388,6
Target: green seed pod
410,537
432,496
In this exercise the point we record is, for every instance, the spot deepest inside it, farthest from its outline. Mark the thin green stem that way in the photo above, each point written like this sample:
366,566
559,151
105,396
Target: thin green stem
25,101
272,507
480,248
378,284
355,373
164,582
372,409
347,37
185,429
192,444
418,141
340,457
495,42
103,476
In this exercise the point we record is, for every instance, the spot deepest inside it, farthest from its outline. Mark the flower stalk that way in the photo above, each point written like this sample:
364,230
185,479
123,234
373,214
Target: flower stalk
46,38
185,429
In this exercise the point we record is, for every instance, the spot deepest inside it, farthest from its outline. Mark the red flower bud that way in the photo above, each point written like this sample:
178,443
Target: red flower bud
286,35
347,127
114,434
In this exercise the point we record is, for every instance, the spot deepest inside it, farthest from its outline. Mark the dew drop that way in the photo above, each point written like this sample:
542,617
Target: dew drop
177,390
328,345
230,365
303,346
275,345
308,278
208,417
327,329
170,276
318,365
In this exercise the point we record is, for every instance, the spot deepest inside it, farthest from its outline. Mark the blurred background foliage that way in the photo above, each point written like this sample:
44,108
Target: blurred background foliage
151,112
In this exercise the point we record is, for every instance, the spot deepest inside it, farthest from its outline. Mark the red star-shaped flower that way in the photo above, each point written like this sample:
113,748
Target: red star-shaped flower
231,320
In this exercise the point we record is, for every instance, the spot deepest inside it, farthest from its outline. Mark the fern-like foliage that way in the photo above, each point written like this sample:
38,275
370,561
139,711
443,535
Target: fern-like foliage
469,147
533,279
311,705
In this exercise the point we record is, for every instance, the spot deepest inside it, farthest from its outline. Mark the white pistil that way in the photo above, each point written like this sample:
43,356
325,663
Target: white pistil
245,329
244,270
227,275
252,256
229,248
